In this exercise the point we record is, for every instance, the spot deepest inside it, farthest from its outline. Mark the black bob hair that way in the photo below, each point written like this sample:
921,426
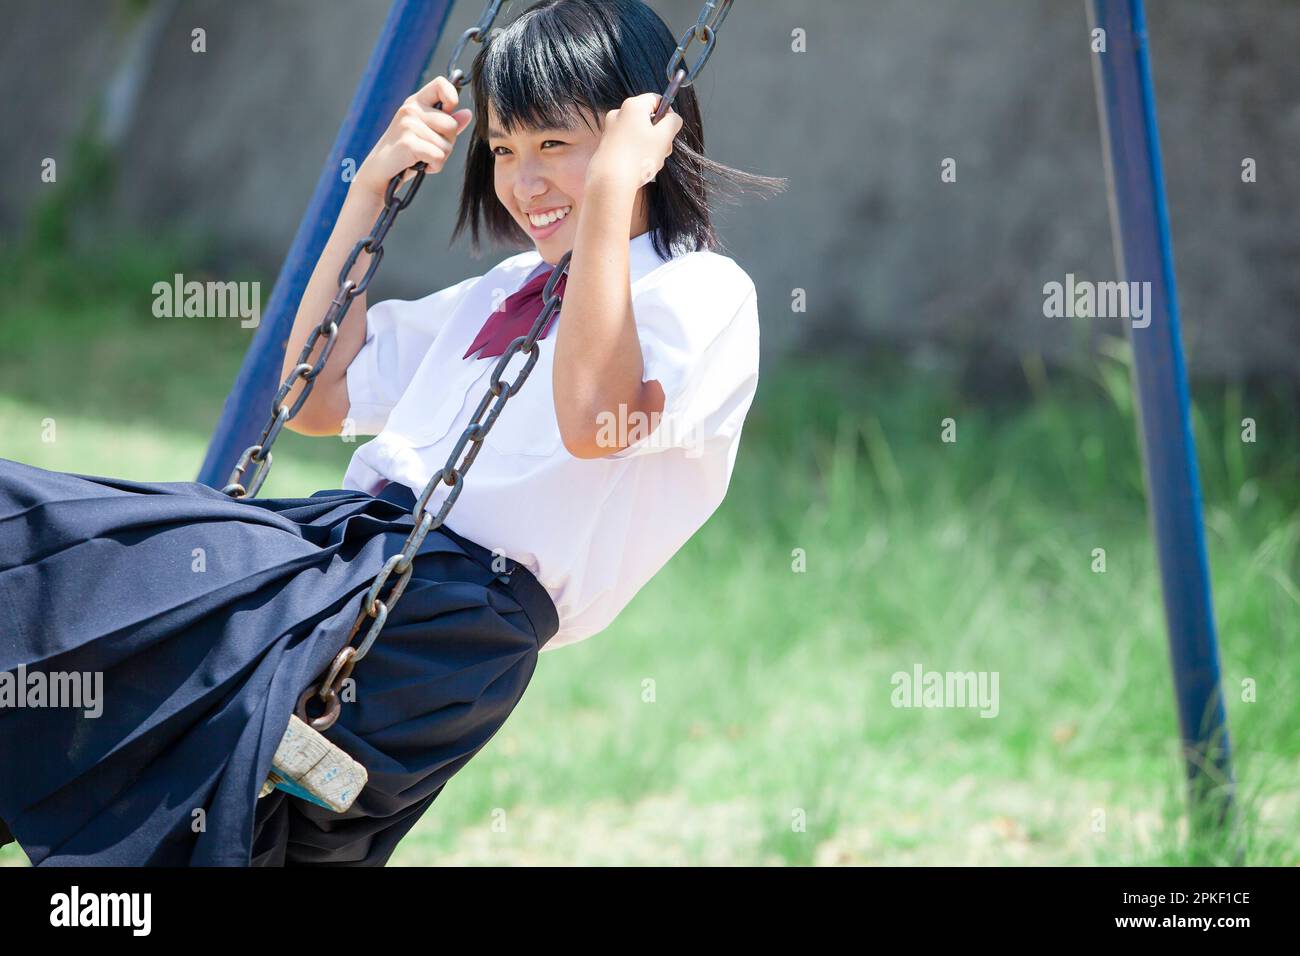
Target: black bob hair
560,58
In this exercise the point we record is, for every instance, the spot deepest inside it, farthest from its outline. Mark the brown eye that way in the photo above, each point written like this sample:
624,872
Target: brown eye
545,143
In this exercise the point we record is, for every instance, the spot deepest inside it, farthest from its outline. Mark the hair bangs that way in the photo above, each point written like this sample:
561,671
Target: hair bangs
542,73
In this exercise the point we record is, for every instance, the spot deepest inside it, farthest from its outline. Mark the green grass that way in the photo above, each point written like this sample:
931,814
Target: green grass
739,712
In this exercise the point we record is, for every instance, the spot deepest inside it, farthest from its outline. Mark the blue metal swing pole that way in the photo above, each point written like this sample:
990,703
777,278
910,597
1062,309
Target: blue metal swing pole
406,44
1140,225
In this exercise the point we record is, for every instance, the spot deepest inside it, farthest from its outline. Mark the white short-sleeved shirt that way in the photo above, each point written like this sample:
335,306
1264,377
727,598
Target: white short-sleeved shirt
592,531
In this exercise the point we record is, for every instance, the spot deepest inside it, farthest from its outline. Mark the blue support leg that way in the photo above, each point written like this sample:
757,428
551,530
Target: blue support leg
406,44
1140,224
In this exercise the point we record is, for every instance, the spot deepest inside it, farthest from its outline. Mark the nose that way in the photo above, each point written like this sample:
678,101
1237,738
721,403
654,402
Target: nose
529,182
528,185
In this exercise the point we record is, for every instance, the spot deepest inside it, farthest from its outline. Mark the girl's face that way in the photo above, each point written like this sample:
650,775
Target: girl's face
540,176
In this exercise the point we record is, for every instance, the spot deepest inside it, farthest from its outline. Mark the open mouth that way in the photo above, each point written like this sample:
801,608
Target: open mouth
545,223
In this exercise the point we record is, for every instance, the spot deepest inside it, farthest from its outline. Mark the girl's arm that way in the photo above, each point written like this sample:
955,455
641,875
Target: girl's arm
598,367
324,411
417,133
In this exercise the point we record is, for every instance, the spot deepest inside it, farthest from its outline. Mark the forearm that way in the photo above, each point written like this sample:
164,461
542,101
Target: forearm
598,365
323,412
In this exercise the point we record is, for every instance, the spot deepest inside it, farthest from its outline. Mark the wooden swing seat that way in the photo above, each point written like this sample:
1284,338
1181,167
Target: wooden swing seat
309,767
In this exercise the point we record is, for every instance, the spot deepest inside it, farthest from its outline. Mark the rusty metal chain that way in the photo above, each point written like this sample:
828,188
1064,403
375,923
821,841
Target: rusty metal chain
258,456
493,402
705,29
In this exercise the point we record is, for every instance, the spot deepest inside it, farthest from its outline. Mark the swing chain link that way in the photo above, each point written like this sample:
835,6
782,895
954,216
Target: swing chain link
258,455
493,402
478,33
705,29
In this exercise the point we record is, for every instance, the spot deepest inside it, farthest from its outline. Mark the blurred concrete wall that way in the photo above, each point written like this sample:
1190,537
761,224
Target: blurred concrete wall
232,140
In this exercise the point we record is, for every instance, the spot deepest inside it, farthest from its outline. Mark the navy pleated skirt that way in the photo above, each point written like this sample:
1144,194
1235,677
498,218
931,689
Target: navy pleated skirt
205,618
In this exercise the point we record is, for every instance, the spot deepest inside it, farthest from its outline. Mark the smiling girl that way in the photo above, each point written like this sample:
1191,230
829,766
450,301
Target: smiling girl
617,449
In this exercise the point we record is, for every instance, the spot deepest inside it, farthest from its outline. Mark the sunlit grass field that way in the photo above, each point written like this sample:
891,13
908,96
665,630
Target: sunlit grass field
739,712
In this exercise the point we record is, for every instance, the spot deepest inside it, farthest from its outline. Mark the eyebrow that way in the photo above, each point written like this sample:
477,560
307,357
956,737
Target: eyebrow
494,133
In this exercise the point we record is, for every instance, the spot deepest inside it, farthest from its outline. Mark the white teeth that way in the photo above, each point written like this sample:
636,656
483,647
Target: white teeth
550,217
